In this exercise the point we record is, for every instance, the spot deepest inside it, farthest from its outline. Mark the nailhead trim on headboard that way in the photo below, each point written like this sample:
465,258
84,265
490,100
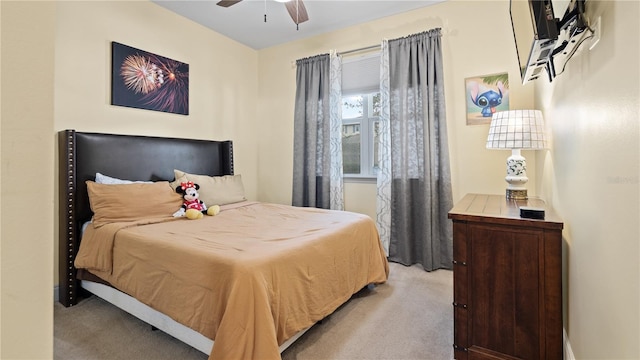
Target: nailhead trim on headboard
68,242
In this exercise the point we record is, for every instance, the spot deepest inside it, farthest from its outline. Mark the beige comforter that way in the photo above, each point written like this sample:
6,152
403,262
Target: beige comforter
249,278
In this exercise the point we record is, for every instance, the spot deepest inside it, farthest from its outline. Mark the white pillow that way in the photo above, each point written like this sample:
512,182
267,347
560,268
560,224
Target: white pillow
108,180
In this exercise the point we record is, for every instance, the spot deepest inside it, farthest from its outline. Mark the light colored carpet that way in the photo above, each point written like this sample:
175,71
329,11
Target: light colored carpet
409,317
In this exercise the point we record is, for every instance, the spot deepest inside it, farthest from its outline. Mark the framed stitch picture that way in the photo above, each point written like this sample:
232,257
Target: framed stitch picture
143,80
486,95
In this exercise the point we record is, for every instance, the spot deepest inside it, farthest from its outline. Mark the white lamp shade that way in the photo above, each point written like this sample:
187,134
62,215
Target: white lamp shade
517,129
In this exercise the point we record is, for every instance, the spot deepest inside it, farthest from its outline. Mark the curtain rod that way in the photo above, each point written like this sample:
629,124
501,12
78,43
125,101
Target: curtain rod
359,49
293,62
370,47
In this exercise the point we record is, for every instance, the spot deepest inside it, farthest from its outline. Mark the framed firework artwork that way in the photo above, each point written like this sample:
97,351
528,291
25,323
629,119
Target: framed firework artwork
143,80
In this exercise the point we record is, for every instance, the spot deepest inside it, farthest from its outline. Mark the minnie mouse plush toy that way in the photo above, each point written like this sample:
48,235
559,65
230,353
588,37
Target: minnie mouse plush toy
192,207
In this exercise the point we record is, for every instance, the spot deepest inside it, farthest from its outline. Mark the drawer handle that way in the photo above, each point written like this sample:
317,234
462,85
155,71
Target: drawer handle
455,304
461,348
455,262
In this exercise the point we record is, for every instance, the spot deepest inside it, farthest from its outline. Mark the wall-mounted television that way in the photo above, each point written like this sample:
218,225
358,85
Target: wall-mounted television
543,41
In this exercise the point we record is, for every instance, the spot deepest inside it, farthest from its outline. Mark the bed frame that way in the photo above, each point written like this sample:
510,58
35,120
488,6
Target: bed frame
81,156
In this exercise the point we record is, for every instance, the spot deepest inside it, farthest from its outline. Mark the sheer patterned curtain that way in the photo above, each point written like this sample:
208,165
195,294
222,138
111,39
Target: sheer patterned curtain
383,202
317,145
414,180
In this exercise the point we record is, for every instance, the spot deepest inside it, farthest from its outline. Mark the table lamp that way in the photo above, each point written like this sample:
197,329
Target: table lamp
517,130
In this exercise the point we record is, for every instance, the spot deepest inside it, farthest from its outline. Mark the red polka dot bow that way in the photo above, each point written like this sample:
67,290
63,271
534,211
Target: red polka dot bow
186,185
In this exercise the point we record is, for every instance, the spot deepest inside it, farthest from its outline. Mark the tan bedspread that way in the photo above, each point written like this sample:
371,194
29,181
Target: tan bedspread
249,278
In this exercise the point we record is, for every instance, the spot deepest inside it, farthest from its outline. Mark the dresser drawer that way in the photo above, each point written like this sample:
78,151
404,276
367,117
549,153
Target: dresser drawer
507,281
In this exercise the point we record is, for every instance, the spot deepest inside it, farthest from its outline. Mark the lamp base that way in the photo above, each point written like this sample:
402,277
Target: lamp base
517,194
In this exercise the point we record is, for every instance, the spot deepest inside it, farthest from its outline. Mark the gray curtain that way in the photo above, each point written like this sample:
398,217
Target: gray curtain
418,176
317,146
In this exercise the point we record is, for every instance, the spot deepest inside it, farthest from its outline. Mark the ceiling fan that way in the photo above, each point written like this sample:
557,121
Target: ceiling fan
296,9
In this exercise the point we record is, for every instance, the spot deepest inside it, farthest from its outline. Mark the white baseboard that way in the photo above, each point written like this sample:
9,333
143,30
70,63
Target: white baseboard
568,352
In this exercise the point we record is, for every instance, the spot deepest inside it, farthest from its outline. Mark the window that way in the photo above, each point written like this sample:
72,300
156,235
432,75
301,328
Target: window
360,116
360,129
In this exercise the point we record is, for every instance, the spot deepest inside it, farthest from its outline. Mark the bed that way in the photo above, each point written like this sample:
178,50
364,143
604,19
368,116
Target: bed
242,284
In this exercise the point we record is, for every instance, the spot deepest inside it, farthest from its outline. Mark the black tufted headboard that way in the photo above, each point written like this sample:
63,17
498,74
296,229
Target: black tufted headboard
82,155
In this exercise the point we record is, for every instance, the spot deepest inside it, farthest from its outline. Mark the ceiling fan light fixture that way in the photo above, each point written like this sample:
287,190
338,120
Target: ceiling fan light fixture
295,8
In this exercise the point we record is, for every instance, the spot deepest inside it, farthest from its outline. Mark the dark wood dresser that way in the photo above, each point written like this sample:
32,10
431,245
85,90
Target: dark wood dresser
507,287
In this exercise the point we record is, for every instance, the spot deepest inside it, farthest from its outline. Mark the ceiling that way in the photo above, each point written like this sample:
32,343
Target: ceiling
244,22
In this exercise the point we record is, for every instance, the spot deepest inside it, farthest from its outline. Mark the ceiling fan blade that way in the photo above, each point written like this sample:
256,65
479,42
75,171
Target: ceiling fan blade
227,3
297,11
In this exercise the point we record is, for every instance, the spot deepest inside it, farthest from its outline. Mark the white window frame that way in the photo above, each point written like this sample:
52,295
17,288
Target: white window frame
361,76
366,122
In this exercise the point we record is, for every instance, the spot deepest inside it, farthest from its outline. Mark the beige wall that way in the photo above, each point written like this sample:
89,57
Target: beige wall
592,178
222,81
27,208
1,187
